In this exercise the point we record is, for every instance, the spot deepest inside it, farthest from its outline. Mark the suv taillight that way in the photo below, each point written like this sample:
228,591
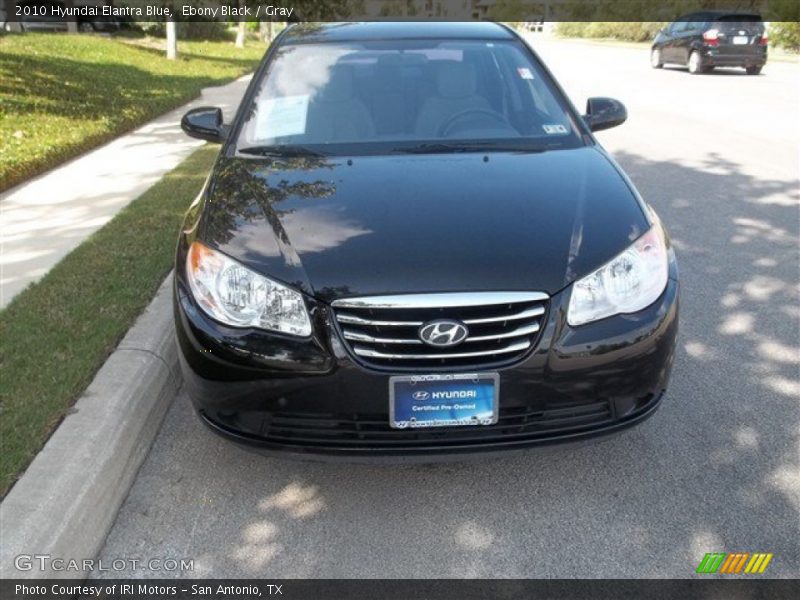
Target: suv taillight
711,37
764,40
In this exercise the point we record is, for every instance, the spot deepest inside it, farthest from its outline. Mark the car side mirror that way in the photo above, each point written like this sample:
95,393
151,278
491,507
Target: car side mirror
604,113
205,123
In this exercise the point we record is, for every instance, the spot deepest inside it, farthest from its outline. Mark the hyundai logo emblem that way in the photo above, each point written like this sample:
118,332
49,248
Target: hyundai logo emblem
443,333
420,395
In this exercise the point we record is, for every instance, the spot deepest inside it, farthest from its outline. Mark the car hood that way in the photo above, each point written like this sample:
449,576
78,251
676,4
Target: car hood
338,227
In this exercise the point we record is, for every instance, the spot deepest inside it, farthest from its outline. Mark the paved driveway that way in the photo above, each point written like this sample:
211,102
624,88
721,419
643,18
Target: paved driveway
716,469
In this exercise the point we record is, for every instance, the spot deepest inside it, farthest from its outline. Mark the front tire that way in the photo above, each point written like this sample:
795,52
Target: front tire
753,70
696,65
655,58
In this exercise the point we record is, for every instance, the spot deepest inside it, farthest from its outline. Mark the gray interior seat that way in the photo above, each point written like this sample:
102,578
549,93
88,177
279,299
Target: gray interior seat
388,102
456,92
335,114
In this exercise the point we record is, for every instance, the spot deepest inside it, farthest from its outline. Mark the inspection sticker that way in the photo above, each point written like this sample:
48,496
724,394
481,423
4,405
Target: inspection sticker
280,117
554,129
525,73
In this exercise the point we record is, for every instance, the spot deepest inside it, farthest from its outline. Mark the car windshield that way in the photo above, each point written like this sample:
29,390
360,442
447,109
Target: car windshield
414,95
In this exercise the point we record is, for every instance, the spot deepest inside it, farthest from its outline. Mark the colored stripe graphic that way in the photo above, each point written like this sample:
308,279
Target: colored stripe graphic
729,562
758,563
741,561
765,563
734,562
711,562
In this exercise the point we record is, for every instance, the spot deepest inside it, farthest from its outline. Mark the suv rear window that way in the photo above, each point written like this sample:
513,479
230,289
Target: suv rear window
750,23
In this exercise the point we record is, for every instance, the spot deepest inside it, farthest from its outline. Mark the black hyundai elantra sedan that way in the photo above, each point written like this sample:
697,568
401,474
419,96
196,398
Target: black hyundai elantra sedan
412,245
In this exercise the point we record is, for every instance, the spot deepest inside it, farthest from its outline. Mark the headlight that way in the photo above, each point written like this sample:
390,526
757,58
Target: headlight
628,283
236,296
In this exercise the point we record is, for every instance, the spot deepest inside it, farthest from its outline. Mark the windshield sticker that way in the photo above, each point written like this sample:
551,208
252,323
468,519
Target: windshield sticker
525,73
554,129
281,117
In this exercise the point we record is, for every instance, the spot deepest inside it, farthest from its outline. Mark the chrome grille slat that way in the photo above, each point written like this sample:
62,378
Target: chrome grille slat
444,300
526,330
517,347
525,314
354,320
383,331
361,337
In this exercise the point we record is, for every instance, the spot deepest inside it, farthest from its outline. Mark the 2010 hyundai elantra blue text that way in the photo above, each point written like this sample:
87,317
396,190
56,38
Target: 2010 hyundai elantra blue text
412,245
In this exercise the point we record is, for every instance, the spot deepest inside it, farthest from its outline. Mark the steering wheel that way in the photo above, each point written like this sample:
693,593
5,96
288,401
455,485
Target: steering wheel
448,124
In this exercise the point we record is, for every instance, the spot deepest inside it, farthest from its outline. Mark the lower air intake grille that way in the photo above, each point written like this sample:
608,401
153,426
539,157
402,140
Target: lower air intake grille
372,431
388,331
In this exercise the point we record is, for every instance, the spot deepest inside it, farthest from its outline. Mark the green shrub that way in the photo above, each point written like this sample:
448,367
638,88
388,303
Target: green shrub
571,29
633,31
786,35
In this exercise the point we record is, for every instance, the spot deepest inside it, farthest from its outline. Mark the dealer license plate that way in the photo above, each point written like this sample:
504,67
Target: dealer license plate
417,401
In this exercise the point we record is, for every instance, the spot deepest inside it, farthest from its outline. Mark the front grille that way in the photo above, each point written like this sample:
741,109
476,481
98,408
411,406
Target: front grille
521,423
383,331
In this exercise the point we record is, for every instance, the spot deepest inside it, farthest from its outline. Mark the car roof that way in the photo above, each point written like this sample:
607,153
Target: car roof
716,14
394,30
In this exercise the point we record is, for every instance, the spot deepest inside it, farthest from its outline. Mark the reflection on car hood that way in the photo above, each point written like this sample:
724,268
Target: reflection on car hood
444,222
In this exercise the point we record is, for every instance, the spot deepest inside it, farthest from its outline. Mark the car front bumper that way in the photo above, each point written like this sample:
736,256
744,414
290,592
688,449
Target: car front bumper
310,397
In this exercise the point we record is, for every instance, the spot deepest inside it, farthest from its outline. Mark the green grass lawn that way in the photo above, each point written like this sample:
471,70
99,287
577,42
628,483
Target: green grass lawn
63,94
56,334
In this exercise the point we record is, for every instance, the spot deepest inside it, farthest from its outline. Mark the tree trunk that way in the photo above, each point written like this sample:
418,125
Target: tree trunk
72,24
11,17
240,30
172,40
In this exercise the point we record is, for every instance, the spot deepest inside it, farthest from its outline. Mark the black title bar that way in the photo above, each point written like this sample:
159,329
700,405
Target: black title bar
743,588
360,10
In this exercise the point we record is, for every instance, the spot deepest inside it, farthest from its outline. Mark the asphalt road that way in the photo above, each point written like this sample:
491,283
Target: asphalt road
716,469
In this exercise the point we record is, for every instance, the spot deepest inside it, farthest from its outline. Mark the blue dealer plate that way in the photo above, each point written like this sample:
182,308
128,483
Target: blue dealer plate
443,400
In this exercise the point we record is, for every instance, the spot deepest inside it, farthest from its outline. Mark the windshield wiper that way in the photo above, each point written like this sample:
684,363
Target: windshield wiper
280,151
444,147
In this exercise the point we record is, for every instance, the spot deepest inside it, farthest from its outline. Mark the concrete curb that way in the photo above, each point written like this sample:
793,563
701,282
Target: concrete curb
66,502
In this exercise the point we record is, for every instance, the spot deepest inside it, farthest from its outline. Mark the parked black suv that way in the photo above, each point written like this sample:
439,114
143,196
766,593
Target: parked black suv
705,40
